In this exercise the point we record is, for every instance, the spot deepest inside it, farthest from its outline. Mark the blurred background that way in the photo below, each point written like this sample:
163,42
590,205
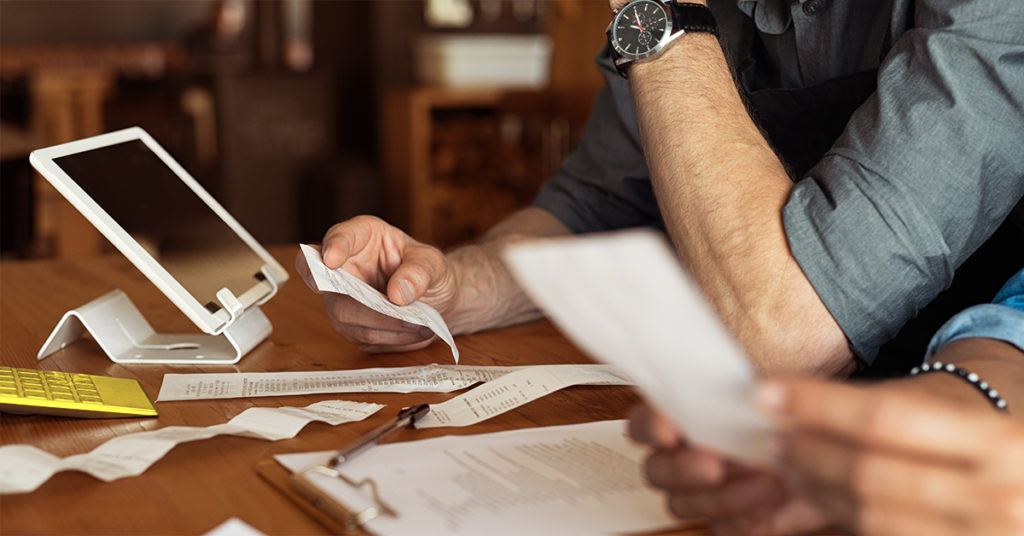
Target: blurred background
441,116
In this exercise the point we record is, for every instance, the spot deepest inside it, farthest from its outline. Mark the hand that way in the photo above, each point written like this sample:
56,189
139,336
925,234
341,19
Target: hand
392,262
882,460
616,5
732,498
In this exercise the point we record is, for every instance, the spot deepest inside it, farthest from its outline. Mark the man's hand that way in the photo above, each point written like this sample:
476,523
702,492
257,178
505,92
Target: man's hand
887,460
733,499
469,286
395,264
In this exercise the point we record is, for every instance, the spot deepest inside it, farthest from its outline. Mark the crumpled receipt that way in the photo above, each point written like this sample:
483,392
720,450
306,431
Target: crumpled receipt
24,468
342,282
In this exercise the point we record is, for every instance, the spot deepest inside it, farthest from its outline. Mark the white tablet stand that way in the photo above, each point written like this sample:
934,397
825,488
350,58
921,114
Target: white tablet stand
126,337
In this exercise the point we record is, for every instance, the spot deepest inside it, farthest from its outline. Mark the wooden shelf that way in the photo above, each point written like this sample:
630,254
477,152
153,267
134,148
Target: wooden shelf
457,161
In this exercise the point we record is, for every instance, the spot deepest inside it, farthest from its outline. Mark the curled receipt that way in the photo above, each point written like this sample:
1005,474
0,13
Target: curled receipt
515,389
431,378
342,282
24,468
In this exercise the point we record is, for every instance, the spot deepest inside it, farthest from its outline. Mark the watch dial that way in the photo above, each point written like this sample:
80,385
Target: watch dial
639,28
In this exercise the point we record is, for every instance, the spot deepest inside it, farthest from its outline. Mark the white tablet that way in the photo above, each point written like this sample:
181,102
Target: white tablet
163,221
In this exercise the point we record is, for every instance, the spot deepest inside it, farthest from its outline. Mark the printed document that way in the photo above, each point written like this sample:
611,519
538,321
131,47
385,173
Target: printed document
625,299
345,283
574,479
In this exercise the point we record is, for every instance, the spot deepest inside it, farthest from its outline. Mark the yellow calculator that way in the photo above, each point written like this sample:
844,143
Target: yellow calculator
49,392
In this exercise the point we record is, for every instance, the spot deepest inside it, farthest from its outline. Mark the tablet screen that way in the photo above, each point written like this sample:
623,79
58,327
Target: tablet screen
153,205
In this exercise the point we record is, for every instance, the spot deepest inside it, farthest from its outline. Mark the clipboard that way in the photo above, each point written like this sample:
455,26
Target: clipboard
321,504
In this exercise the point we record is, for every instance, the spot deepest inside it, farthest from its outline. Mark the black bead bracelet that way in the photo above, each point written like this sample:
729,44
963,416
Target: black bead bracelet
970,377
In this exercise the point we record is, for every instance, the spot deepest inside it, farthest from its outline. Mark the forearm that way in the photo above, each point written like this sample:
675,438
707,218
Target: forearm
488,296
721,190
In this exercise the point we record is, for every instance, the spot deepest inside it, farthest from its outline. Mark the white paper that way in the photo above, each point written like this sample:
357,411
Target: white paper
515,389
342,282
626,300
234,527
575,479
24,468
431,378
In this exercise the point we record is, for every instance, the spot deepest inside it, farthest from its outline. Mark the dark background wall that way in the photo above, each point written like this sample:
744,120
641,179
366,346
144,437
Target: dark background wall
288,149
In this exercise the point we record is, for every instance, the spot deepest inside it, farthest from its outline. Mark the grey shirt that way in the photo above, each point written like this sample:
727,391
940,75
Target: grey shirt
925,171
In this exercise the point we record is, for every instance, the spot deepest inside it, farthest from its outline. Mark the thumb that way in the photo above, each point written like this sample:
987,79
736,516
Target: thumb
423,269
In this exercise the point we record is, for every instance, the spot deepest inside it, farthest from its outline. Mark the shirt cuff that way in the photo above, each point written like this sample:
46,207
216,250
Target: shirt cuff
990,320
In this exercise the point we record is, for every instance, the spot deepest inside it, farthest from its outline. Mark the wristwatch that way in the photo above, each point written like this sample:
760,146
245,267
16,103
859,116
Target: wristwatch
644,28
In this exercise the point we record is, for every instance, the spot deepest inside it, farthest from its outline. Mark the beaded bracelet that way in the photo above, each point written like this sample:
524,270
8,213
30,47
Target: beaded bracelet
991,394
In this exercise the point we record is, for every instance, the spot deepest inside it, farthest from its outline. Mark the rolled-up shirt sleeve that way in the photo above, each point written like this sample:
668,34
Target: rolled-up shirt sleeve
926,170
1003,319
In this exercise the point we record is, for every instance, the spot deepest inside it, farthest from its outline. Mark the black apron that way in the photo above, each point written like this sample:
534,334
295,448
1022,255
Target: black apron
801,125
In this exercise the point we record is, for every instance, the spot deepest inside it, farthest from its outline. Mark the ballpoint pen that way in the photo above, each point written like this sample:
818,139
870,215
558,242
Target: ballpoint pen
352,521
405,418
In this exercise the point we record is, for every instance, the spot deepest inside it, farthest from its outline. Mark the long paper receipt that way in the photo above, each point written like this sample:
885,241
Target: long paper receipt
515,389
24,468
627,301
575,479
345,283
432,378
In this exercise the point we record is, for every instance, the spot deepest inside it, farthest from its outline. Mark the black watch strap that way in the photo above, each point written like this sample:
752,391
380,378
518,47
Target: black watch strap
693,18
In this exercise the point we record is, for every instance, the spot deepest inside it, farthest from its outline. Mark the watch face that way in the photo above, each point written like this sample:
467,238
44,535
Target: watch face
639,28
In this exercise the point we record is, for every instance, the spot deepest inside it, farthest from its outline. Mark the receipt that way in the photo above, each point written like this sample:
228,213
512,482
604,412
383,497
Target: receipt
431,378
342,282
24,468
628,301
515,389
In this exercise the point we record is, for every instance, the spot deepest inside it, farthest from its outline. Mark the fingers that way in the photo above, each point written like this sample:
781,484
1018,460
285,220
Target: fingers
423,272
651,427
885,418
893,520
847,478
684,468
349,237
865,489
882,461
372,331
388,259
734,498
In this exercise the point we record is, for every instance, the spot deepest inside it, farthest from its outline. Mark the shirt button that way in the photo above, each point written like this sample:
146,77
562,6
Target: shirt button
811,7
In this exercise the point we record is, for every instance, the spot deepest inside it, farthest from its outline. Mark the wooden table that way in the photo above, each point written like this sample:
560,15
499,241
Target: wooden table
198,485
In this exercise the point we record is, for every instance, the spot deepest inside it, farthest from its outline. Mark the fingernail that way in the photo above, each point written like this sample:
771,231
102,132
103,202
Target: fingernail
406,290
325,255
426,332
771,396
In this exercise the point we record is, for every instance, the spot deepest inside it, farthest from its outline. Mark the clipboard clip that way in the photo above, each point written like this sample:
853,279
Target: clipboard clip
303,482
323,501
